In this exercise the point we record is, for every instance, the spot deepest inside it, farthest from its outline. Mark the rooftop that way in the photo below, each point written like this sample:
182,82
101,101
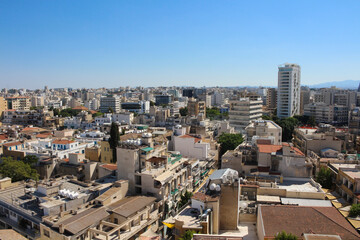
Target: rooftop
320,220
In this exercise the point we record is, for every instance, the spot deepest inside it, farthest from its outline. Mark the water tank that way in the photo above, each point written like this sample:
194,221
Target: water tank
217,188
212,186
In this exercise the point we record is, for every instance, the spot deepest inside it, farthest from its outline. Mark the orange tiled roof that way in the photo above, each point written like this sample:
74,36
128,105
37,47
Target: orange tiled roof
111,167
269,148
189,136
80,108
62,141
12,144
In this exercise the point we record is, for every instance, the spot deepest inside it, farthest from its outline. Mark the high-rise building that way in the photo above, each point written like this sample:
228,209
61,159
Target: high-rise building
288,101
271,98
18,103
243,111
110,103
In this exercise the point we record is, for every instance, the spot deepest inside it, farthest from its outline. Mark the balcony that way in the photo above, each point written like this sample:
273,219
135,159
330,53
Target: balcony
175,191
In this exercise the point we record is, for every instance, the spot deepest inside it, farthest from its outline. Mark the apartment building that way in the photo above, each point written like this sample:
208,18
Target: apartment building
196,107
110,102
3,106
243,111
263,130
271,98
288,96
18,103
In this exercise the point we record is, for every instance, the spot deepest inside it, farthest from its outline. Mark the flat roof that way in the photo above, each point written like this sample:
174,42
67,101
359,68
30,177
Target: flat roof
190,217
306,202
297,186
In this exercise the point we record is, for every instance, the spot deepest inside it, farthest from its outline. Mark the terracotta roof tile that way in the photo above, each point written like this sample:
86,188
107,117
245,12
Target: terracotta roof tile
12,144
62,141
300,219
111,167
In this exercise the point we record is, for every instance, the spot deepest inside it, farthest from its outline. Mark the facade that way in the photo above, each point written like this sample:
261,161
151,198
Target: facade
264,129
196,107
191,147
271,98
243,111
3,106
18,103
124,117
110,102
288,96
137,107
162,100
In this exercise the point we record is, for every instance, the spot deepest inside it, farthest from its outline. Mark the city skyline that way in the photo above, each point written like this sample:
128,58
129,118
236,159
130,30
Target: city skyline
89,44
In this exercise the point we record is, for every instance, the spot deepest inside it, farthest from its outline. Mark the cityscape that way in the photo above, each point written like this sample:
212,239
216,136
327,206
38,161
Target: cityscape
169,159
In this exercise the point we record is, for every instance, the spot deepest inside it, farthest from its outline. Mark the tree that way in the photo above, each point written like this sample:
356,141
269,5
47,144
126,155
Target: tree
184,111
114,139
354,210
110,110
97,114
306,120
288,125
188,235
17,170
324,177
185,198
285,236
229,141
31,160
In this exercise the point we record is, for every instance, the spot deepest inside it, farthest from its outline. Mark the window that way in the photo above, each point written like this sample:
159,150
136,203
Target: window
46,233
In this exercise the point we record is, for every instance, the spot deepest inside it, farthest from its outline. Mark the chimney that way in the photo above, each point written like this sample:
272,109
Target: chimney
61,228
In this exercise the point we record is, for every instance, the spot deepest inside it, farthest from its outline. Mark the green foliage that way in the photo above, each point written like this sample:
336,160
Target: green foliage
229,141
306,120
285,236
354,210
214,113
184,111
288,125
152,103
110,110
114,139
188,235
185,198
31,160
17,170
97,114
324,177
68,112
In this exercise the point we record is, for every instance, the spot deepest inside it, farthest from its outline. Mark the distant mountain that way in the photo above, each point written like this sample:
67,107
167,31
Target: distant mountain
346,84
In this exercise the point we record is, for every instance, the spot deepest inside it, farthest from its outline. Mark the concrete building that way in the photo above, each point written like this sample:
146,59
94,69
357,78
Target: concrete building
18,103
3,106
123,117
37,101
162,100
243,111
283,159
288,96
304,100
322,112
214,208
271,98
313,139
264,129
354,121
191,147
110,102
136,107
196,107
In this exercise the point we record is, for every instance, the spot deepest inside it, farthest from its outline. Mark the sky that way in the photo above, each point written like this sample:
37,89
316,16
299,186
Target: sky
146,43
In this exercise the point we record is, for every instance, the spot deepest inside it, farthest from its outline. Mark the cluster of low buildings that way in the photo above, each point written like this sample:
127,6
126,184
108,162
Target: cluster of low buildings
166,177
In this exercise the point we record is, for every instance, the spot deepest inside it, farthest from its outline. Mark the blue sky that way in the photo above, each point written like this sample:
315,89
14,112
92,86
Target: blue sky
167,43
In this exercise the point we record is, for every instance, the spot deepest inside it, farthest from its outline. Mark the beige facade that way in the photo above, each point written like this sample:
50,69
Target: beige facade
106,153
3,106
264,129
18,103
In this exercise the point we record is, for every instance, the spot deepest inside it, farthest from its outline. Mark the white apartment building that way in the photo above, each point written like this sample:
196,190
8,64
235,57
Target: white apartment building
243,111
191,147
288,98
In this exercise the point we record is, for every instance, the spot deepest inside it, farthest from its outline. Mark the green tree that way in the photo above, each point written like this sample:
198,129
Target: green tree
188,235
285,236
305,120
354,210
17,170
184,111
110,110
114,139
288,125
324,177
97,114
229,141
185,198
31,160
